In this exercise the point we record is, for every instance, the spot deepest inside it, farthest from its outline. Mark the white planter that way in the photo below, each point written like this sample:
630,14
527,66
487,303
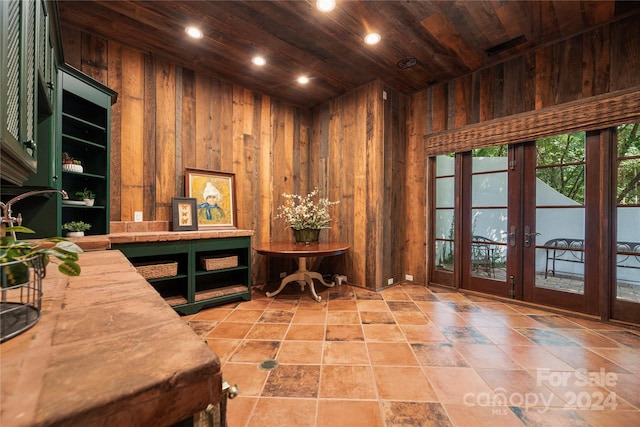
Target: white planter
89,202
75,233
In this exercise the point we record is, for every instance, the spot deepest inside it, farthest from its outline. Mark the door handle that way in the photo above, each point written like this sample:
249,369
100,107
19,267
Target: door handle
527,236
512,236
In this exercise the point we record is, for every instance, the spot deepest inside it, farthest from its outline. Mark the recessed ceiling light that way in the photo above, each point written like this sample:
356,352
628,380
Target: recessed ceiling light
259,60
303,80
193,32
372,38
326,5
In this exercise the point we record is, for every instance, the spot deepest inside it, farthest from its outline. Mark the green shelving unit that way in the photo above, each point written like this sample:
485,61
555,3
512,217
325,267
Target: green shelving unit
193,286
84,134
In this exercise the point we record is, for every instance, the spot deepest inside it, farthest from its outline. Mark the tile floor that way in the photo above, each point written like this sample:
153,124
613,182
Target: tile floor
413,356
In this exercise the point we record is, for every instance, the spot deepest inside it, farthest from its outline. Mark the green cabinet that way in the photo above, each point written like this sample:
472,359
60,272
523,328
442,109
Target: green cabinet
31,50
84,123
196,283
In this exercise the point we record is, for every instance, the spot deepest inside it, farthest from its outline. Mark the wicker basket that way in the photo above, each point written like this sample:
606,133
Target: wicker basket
218,262
157,269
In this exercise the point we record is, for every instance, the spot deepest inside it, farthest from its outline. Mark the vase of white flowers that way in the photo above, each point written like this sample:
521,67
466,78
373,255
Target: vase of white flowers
306,215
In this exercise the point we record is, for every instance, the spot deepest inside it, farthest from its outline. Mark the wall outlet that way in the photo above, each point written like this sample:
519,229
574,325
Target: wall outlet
137,216
390,281
283,274
408,277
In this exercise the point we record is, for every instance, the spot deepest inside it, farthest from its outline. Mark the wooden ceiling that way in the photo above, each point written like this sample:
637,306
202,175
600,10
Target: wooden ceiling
447,38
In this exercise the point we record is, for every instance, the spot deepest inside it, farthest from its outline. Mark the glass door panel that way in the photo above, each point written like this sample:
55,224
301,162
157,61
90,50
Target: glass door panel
626,303
485,234
444,213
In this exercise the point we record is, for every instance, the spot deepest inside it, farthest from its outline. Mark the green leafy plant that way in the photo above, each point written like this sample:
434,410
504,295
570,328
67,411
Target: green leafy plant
86,194
76,226
12,250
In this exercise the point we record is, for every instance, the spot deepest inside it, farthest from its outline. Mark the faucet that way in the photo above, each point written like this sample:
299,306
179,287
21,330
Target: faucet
8,221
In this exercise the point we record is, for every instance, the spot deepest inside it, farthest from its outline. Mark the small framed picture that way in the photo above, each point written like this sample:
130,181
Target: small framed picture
215,196
185,214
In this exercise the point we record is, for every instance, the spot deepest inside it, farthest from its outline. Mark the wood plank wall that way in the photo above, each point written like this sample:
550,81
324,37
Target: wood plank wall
168,118
588,65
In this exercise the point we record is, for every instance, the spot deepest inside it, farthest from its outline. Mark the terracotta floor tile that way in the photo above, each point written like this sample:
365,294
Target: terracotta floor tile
372,305
587,338
582,358
521,321
551,417
202,328
521,388
300,352
379,317
403,383
464,334
546,337
503,335
362,294
382,333
482,416
351,413
342,305
422,333
347,382
344,333
276,316
244,316
555,321
255,351
534,357
306,332
395,294
268,331
446,318
248,377
287,412
217,314
390,353
455,385
411,318
618,418
424,414
626,338
230,330
438,354
239,410
402,306
485,356
317,317
343,318
416,356
626,357
298,381
223,347
345,353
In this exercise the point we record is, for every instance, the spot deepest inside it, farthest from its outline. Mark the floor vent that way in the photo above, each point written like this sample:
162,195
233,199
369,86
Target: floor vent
268,365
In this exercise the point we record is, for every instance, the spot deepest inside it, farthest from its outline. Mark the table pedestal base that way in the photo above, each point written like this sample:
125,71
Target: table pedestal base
303,276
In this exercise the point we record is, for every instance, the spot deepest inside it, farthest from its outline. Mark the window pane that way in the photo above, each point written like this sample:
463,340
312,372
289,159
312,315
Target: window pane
561,149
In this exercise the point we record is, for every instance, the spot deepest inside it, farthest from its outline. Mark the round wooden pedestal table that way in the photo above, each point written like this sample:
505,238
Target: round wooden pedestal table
302,252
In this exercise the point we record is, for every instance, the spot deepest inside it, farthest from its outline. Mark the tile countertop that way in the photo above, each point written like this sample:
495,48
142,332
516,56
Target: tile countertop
107,351
102,242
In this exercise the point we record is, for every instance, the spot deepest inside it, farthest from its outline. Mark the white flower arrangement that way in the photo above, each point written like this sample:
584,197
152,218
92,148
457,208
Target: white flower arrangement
309,211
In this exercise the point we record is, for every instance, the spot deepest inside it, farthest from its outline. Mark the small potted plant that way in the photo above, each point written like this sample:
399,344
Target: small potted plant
76,228
13,251
87,195
70,164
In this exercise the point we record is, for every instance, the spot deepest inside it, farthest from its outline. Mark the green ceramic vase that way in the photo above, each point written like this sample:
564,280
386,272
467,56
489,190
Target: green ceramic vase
306,236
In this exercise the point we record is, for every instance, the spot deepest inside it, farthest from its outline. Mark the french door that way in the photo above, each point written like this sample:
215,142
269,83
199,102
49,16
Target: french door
552,222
